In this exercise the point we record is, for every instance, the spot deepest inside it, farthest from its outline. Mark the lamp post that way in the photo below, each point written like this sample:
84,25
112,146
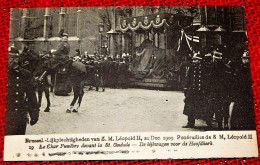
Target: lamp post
203,32
101,30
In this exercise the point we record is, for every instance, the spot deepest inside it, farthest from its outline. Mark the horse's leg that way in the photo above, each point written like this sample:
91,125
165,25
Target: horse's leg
39,97
103,81
47,95
96,81
75,98
52,81
81,93
80,98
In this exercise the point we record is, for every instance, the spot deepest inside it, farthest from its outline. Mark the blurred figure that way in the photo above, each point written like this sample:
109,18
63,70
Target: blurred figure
242,117
184,68
123,76
207,88
222,88
77,53
21,98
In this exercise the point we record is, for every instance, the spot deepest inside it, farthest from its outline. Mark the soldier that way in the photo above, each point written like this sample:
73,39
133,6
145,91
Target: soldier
207,88
84,57
193,92
184,68
242,117
221,88
123,76
21,97
77,54
61,55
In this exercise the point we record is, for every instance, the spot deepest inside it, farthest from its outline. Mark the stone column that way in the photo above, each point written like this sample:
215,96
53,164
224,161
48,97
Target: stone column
46,23
78,23
24,22
78,34
133,40
112,48
62,18
113,19
203,17
46,27
123,43
14,24
113,40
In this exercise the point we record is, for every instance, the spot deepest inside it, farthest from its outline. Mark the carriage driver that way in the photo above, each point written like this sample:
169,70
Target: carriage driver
61,55
21,98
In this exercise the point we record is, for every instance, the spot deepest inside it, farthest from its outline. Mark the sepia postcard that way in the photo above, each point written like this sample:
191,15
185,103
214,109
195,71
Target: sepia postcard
129,82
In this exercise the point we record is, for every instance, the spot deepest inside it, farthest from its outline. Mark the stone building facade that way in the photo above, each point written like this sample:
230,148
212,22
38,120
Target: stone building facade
41,26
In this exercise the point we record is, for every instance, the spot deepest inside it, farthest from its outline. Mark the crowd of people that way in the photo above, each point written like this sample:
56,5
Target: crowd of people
212,83
114,71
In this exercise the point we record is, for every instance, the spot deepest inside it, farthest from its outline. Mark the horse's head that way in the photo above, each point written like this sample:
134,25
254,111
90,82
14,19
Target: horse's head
29,59
30,55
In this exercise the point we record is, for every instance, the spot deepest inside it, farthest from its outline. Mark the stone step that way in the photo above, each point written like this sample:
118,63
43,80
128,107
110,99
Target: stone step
150,80
154,85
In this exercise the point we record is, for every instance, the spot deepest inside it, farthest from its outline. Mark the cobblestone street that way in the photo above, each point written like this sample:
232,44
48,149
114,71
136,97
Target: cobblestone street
115,110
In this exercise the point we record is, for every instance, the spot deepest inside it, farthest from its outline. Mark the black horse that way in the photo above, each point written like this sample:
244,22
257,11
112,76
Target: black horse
44,85
76,73
77,79
31,61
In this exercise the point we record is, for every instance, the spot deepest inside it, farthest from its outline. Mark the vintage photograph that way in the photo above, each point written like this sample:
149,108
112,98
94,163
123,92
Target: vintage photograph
128,69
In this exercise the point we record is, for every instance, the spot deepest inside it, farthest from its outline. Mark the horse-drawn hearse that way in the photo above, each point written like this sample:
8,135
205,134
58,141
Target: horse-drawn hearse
159,43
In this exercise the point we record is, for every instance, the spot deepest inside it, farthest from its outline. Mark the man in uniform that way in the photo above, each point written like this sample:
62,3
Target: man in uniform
221,88
123,75
77,53
184,68
193,92
207,88
84,57
60,56
21,97
77,56
242,117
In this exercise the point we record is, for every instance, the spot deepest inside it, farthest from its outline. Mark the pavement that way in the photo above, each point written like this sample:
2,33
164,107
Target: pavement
115,110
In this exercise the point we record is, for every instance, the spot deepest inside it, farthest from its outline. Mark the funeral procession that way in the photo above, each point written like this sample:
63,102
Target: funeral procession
128,69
